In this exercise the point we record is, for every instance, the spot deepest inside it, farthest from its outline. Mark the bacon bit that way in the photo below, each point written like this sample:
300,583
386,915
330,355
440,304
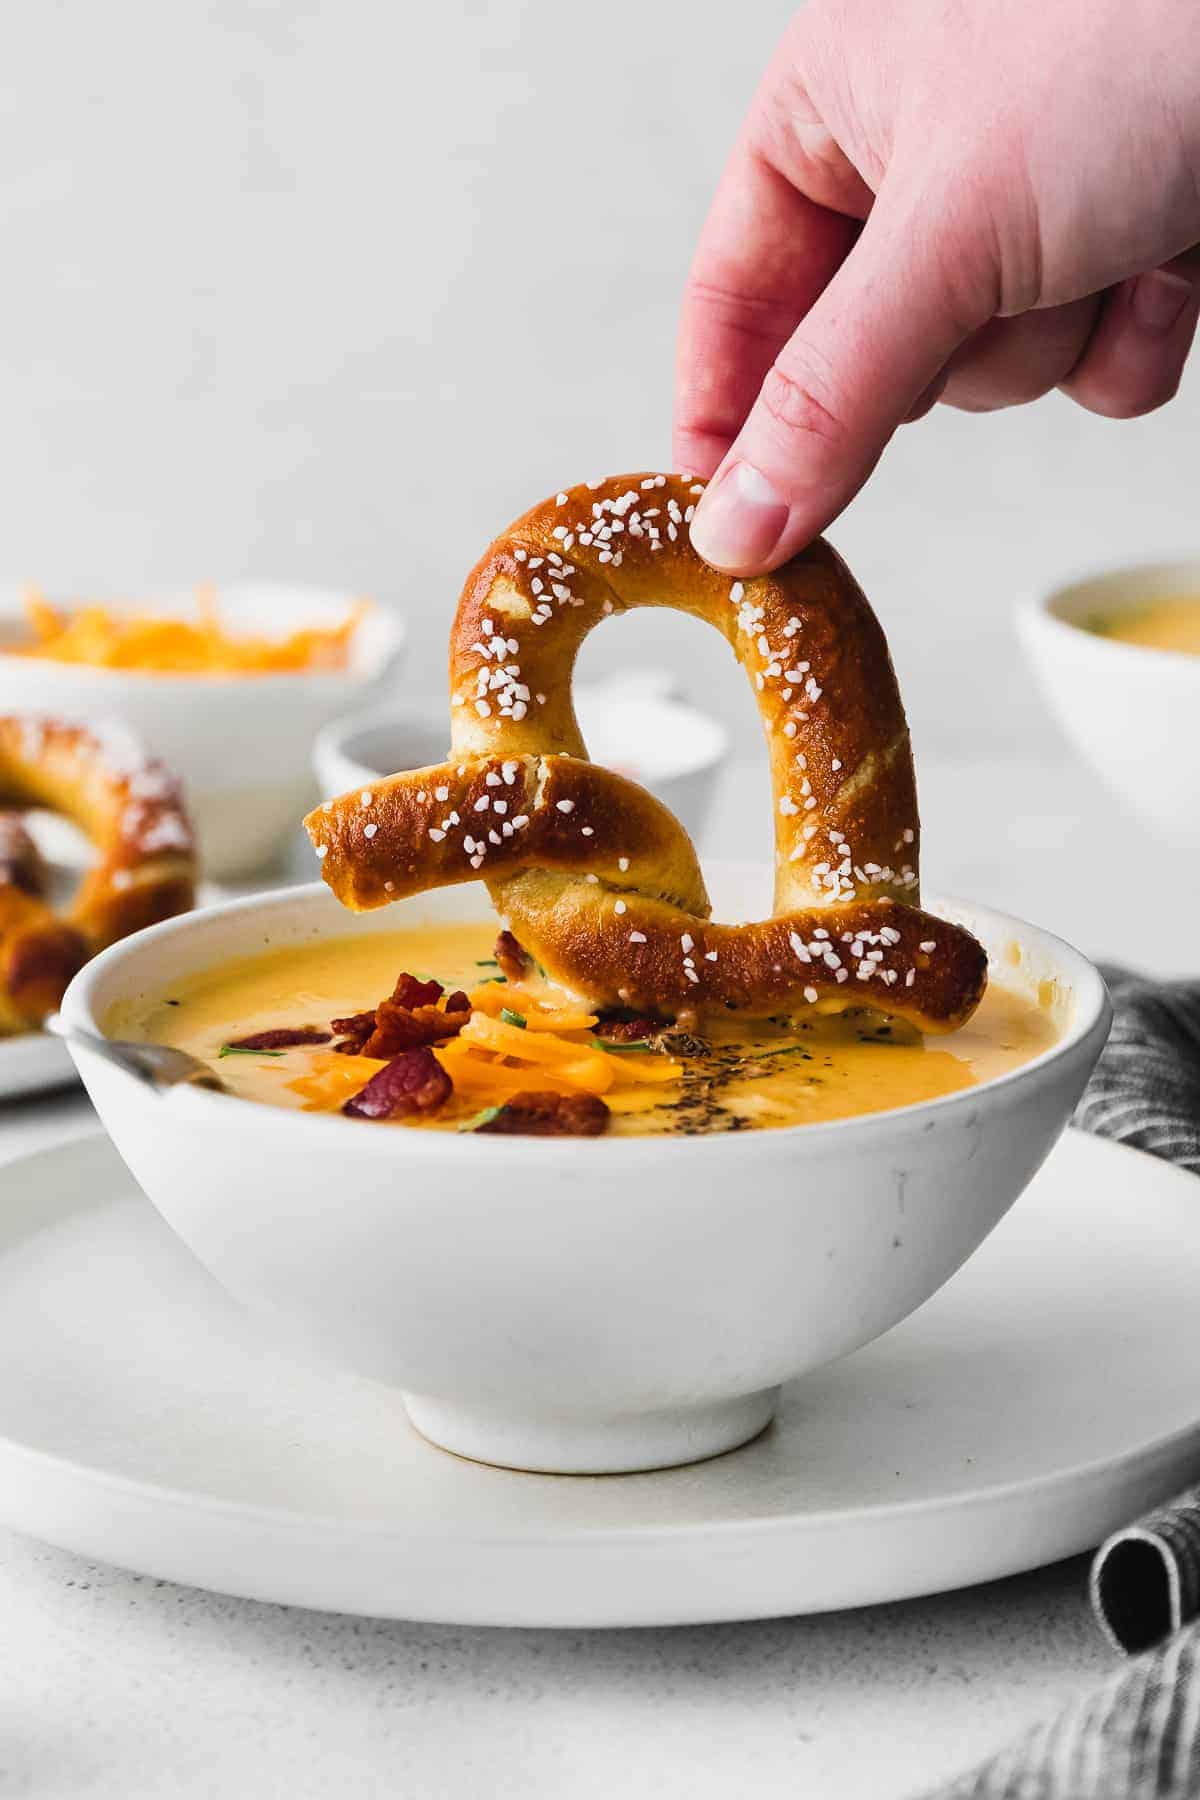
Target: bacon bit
357,1025
353,1032
281,1039
549,1115
626,1031
410,992
413,1083
404,1028
409,1017
513,958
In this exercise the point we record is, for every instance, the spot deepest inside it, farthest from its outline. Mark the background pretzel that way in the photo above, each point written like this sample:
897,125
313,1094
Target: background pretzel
130,808
596,878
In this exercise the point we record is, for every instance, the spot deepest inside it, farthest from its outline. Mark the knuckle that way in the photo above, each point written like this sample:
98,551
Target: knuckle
801,403
964,247
738,309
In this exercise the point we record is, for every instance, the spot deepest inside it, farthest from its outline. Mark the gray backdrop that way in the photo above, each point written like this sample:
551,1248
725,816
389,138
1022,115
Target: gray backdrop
331,291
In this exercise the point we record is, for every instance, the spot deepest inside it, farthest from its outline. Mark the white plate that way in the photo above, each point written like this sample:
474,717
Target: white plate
1044,1396
33,1063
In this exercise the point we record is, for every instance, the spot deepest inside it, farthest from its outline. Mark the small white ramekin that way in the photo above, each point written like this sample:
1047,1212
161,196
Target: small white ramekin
632,725
578,1304
239,743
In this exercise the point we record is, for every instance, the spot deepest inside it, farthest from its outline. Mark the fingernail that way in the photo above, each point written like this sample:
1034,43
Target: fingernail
739,521
1158,299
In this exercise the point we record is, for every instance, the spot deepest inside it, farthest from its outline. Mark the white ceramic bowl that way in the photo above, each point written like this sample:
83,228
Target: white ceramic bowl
1132,712
634,726
577,1304
240,744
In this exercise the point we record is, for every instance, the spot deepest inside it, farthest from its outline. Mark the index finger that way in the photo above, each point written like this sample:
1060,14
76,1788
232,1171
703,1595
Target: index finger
765,253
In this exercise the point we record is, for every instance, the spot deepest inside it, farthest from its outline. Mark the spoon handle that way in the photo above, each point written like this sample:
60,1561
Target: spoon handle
159,1066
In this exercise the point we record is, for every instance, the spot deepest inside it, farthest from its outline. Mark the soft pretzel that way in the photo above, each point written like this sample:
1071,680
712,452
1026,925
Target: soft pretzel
21,862
598,879
130,808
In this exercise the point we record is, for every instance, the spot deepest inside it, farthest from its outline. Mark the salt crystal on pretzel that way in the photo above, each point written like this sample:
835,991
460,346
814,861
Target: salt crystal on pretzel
597,879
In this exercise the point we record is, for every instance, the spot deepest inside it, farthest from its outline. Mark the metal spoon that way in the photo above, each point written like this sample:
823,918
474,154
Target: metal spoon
157,1065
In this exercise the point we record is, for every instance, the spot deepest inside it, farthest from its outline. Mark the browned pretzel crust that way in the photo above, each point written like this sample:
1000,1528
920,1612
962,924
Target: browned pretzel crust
506,814
130,808
596,878
21,862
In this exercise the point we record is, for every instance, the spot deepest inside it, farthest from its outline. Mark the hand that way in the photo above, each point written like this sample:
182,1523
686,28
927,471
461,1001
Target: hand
975,200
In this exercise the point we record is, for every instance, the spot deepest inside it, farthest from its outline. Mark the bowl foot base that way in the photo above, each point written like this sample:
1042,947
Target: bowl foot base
608,1446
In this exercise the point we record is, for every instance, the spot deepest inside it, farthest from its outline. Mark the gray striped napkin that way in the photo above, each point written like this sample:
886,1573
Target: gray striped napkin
1146,1089
1138,1736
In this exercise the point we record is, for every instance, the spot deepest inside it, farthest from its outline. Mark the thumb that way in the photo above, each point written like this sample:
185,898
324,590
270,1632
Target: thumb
855,368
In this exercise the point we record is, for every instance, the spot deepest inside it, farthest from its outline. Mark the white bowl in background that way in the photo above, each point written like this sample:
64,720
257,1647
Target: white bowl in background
577,1304
1131,711
240,744
632,724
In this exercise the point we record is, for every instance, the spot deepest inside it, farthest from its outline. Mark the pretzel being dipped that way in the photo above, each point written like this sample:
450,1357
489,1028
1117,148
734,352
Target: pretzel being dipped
131,810
596,878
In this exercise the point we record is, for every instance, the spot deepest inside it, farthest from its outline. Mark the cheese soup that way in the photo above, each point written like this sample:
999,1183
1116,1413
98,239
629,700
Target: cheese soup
523,1036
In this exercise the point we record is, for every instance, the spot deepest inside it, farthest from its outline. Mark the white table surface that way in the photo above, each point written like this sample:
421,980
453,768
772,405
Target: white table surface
119,1687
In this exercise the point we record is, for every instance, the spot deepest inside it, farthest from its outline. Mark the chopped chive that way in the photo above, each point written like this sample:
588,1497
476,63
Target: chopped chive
494,981
481,1118
513,1018
238,1050
537,965
486,962
623,1049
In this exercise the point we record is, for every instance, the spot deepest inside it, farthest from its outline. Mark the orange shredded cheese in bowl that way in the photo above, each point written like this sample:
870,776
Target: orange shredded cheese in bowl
524,1037
516,1041
491,1060
163,644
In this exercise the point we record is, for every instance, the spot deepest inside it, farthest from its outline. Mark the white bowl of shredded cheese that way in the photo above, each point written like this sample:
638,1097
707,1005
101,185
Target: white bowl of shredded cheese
239,742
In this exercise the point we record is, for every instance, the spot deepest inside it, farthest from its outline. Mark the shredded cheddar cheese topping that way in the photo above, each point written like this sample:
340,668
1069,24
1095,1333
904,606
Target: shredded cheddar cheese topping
106,637
491,1059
